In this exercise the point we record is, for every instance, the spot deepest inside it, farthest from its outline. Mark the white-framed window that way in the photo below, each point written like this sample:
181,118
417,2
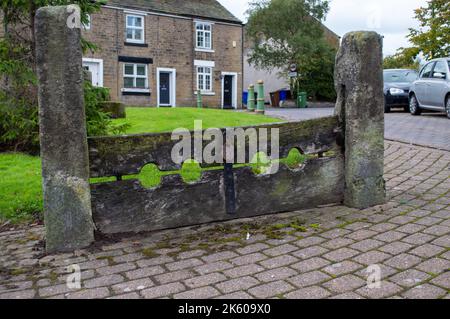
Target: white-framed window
134,28
204,35
204,79
135,76
87,25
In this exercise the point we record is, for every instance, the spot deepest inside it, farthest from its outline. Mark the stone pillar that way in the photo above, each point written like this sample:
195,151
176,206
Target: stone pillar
359,84
64,151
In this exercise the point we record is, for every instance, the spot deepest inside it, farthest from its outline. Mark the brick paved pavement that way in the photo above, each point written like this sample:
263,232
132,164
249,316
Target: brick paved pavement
319,253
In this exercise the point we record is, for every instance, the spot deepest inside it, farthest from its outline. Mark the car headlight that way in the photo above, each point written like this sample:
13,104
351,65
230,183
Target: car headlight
395,91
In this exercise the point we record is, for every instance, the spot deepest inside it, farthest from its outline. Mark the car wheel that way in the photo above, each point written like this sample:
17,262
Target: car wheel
406,108
387,108
414,107
447,107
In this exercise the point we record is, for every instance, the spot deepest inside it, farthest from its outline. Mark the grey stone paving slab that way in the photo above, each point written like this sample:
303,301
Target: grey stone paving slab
344,284
403,261
410,278
271,289
309,293
198,293
276,274
343,268
311,264
442,280
434,265
309,279
244,271
424,292
204,280
386,289
233,285
341,254
163,291
129,286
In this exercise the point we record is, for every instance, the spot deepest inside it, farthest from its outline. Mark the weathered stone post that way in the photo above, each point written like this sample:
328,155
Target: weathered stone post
64,152
251,98
359,84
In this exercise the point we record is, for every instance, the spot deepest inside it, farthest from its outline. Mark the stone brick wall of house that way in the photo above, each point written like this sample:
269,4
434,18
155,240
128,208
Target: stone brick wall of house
171,44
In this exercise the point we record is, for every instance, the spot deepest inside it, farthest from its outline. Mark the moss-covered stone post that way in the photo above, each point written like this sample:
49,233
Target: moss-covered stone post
260,106
251,98
64,151
359,84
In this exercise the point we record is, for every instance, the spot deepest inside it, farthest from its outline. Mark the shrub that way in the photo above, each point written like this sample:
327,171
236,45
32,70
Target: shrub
19,123
19,127
98,122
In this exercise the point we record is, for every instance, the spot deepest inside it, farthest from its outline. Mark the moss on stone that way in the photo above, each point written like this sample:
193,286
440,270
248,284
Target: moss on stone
149,253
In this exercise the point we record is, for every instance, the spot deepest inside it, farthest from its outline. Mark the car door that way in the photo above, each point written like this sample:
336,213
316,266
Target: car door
421,86
437,88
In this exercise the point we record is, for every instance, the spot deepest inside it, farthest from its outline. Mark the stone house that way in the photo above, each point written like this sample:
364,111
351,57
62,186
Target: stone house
272,79
160,52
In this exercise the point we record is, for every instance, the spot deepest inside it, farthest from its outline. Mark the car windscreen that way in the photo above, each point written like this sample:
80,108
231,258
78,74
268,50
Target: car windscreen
400,76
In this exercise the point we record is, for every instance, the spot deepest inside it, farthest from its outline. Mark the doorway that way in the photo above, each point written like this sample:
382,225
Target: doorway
95,67
166,86
229,90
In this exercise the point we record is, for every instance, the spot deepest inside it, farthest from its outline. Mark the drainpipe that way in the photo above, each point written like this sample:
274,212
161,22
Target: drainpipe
118,94
242,62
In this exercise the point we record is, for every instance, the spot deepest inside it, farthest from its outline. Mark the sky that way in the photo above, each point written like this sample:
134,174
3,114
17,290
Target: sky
391,18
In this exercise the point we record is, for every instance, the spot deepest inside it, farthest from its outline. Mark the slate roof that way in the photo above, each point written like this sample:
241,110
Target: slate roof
211,9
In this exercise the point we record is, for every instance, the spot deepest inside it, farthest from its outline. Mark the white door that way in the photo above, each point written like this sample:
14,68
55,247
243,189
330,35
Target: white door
95,67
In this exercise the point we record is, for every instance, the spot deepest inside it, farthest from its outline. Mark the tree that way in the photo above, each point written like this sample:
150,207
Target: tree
433,35
19,126
290,31
404,58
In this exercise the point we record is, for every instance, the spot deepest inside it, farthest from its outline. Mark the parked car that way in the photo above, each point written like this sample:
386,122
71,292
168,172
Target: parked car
432,90
396,88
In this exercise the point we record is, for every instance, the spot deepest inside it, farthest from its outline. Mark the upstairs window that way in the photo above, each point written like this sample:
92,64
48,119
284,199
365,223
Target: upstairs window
135,76
135,29
204,35
204,79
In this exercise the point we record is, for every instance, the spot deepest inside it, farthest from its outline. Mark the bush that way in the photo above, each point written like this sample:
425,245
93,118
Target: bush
19,122
317,75
19,126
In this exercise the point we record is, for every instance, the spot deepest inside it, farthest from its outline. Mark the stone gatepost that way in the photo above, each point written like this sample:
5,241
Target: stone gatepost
64,152
360,106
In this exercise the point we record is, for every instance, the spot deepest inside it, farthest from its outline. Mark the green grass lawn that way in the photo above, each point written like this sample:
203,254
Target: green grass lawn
156,120
20,185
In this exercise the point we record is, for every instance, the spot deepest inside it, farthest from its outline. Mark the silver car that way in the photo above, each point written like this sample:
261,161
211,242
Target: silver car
432,90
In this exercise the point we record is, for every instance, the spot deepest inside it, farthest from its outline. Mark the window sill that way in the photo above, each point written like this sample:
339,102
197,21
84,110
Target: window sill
206,93
145,92
131,42
135,44
204,50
